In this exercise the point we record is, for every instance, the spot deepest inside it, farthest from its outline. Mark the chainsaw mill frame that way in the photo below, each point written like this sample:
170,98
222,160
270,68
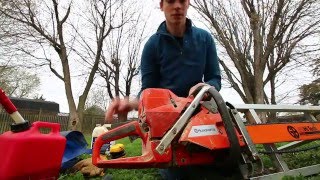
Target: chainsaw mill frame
283,170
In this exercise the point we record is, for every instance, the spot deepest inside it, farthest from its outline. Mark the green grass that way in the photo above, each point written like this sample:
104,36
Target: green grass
131,149
294,160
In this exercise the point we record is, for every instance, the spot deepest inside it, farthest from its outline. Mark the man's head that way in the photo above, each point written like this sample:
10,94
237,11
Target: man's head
175,11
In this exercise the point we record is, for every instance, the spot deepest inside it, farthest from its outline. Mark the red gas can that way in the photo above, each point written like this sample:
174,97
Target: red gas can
31,154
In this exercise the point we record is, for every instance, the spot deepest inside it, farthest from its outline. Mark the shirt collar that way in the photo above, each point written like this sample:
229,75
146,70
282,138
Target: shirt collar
163,27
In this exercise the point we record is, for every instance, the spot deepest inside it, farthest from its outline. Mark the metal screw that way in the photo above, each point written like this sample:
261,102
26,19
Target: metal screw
161,147
183,160
174,131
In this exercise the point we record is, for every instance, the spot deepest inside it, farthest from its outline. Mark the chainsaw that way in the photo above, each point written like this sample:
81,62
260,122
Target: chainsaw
201,129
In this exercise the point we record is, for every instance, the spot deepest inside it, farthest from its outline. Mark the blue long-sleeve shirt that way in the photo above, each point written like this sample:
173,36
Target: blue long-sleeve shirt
178,65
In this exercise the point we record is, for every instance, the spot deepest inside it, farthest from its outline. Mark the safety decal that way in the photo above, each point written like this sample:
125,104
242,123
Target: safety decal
302,131
293,132
203,130
308,130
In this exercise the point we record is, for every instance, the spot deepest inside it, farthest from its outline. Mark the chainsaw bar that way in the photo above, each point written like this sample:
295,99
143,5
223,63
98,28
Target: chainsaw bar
283,132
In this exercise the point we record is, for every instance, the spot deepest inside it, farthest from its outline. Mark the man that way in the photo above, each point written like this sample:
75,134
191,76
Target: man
179,57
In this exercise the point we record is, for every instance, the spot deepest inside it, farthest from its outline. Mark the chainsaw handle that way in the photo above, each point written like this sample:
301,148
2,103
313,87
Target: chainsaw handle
129,129
235,149
197,90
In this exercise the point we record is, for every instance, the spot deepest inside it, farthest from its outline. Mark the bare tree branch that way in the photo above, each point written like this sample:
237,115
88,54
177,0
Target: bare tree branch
261,38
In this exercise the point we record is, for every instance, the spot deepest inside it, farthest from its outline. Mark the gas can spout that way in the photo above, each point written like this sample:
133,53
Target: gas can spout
10,108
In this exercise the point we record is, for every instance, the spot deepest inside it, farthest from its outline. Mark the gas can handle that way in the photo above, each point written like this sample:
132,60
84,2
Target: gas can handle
55,127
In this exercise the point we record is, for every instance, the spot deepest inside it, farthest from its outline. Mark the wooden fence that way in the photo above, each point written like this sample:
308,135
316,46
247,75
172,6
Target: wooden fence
89,122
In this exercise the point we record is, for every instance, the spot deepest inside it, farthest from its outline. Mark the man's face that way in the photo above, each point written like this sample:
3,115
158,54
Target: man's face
175,11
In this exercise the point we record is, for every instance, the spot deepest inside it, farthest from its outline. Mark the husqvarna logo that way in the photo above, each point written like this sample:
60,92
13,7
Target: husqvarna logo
203,130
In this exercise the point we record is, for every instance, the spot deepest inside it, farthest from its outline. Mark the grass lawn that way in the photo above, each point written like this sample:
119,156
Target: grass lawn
294,160
132,149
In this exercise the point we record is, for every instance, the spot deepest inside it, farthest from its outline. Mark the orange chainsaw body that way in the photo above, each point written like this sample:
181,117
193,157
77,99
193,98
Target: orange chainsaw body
200,142
159,109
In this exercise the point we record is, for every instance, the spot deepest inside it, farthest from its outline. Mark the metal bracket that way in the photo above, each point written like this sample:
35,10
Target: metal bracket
181,122
245,134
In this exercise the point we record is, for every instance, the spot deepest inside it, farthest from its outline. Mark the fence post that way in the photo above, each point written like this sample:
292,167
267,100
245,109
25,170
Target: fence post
39,115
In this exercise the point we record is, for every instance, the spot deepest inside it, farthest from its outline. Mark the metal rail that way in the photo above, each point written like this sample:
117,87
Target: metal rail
252,109
304,171
275,108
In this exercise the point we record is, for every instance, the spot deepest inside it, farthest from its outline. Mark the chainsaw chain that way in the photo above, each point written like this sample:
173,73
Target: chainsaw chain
290,150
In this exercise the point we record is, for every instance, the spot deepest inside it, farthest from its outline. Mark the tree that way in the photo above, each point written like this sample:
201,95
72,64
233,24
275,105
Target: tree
17,82
122,65
8,33
261,38
94,110
97,97
316,69
310,92
51,26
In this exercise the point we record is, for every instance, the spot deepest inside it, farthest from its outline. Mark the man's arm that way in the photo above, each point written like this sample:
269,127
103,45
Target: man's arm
212,75
150,70
120,107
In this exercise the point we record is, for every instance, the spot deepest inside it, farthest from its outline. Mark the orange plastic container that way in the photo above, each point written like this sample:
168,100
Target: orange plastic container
31,154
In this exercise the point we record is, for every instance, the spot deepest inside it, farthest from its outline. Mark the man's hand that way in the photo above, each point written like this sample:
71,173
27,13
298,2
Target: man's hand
120,107
193,88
